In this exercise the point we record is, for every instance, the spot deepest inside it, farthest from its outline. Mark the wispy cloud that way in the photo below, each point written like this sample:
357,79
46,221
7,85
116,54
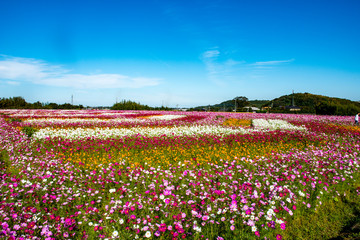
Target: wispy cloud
272,63
15,70
222,69
12,83
210,54
218,70
209,58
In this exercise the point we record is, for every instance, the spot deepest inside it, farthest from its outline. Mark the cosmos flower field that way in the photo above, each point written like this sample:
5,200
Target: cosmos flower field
102,174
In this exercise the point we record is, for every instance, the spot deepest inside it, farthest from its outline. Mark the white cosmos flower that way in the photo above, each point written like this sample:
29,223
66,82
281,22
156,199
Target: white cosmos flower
166,117
148,234
115,233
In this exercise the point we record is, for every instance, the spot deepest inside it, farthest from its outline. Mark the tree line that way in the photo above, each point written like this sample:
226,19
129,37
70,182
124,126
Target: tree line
20,103
130,105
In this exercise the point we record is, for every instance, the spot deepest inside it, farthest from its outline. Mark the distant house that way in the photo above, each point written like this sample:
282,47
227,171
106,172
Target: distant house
266,108
253,109
293,108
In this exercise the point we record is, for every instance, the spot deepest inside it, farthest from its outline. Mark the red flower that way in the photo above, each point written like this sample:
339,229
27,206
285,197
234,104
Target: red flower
31,225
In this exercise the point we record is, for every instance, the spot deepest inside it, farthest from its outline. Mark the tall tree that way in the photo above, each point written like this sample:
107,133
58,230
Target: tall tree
240,102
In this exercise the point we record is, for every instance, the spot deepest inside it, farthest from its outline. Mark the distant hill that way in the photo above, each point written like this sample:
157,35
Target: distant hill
302,102
229,105
316,104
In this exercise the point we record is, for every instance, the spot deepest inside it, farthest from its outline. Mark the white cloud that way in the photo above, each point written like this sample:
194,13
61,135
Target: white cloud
16,70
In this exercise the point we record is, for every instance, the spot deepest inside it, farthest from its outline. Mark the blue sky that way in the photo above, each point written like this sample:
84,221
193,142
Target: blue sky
177,53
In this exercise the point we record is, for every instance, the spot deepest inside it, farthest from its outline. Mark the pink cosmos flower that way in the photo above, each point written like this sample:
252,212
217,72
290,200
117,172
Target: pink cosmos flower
167,192
283,226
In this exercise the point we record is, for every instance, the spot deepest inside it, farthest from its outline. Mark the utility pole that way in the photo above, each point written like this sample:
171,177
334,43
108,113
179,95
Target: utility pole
72,99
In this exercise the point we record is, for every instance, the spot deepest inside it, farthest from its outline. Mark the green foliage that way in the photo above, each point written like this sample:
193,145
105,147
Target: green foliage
14,120
335,219
338,219
258,103
29,131
4,159
13,102
129,105
61,106
241,102
20,103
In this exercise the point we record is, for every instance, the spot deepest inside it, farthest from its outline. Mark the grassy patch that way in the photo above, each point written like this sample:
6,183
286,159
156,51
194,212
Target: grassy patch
29,131
335,219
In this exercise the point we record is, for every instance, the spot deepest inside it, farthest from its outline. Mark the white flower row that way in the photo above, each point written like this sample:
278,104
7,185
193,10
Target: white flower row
98,120
104,133
82,120
274,124
166,117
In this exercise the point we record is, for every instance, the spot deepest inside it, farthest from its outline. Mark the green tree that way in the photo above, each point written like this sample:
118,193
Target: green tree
240,102
129,105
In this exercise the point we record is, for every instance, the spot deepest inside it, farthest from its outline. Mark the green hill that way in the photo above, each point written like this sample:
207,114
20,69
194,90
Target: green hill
315,104
229,105
302,102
